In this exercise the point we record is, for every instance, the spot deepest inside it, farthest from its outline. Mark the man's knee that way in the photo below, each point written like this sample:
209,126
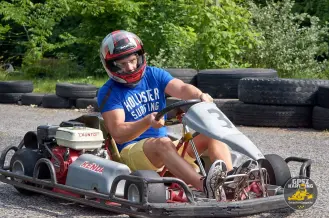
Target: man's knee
163,145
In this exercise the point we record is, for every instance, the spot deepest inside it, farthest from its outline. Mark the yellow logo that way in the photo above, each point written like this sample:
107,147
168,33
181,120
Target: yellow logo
300,192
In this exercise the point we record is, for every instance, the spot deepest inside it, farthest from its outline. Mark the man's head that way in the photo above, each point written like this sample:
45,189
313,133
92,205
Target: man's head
123,57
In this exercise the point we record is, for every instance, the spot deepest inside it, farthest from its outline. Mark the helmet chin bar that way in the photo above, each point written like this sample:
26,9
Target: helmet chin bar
132,85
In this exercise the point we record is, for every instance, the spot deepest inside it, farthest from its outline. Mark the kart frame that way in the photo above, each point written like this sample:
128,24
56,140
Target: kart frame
194,207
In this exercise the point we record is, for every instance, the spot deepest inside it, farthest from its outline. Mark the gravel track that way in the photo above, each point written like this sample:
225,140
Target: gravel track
17,120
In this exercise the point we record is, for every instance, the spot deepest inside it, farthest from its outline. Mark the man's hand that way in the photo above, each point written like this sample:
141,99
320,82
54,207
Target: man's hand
206,97
155,124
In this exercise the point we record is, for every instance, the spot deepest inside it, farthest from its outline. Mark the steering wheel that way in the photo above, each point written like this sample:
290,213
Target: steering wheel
173,106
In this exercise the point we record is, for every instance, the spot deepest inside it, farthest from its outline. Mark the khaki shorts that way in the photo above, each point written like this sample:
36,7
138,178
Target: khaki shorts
134,157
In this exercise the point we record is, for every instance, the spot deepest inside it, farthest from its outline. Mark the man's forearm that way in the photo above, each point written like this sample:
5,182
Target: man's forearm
190,92
128,131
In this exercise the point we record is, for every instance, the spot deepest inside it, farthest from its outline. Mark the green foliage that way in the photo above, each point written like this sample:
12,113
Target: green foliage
3,30
318,8
194,34
53,68
38,21
286,45
89,21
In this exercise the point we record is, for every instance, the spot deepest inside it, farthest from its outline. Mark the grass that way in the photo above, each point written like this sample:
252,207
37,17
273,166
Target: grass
48,85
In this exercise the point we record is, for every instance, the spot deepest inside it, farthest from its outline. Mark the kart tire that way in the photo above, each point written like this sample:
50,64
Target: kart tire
25,160
277,169
156,192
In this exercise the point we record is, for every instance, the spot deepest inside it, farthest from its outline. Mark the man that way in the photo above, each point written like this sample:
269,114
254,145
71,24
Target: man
129,102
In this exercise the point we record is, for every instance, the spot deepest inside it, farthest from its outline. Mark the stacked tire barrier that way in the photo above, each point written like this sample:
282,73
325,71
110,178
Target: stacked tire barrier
276,102
68,95
257,97
11,92
221,84
247,96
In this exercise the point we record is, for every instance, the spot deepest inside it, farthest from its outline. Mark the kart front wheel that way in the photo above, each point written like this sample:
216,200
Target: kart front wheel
134,191
277,169
22,163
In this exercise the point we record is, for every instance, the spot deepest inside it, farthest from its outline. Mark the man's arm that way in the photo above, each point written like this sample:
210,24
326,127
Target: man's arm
122,131
177,88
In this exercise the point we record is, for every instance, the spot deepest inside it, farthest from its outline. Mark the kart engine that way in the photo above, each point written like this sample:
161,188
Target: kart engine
63,144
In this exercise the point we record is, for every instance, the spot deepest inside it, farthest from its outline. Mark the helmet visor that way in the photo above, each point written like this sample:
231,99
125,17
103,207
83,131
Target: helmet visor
123,64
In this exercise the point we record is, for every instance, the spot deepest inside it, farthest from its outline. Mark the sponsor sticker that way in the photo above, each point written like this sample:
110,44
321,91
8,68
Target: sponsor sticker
300,193
92,166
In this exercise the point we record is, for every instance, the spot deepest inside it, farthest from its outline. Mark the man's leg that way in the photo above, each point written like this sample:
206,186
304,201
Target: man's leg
162,151
154,153
216,150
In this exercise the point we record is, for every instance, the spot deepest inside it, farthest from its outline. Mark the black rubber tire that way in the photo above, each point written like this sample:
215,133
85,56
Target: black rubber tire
320,118
28,158
31,140
19,86
322,98
277,168
83,103
223,83
156,191
227,106
277,91
32,99
54,101
10,98
272,115
186,75
76,90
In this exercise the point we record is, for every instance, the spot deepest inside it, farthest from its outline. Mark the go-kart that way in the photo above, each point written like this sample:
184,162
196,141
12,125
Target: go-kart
72,161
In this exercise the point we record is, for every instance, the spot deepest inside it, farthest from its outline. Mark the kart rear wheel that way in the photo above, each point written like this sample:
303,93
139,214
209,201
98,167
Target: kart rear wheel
133,191
22,163
277,168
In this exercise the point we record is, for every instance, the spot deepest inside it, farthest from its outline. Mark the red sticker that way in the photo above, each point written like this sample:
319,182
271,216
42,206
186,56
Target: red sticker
92,166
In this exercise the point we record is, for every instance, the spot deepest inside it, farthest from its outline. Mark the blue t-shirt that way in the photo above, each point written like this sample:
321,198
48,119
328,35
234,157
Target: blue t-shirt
137,102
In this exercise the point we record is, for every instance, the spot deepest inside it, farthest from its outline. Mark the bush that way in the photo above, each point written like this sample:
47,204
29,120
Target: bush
287,46
196,34
53,68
